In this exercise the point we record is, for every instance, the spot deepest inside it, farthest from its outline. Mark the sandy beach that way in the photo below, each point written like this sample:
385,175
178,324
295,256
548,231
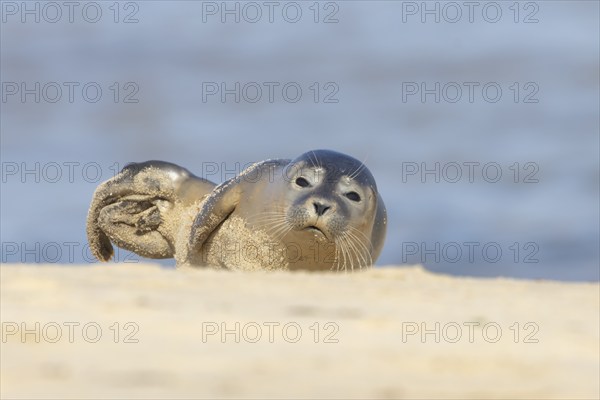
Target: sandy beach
141,331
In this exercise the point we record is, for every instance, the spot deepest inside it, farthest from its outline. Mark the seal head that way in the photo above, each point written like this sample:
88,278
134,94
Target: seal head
333,198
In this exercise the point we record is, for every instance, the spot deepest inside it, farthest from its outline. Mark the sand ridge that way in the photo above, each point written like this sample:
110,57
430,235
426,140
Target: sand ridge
203,333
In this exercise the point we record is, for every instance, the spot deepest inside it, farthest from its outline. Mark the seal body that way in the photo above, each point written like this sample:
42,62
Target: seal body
320,211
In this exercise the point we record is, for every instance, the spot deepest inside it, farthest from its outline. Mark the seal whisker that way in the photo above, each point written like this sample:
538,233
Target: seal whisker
316,160
280,230
311,160
283,233
336,261
368,248
360,167
359,238
365,251
277,232
349,251
267,213
353,248
351,254
342,256
360,258
345,252
273,224
268,219
266,216
356,172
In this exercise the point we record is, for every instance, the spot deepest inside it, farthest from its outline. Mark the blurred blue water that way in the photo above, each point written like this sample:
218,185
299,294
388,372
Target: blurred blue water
368,55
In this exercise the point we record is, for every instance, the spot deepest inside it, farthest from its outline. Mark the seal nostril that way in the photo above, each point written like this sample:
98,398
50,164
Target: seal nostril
320,208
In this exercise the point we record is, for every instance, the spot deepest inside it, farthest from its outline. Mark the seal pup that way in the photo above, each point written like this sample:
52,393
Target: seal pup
320,211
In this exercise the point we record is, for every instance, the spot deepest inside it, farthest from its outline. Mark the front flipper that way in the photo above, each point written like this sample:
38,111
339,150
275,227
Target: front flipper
217,207
139,209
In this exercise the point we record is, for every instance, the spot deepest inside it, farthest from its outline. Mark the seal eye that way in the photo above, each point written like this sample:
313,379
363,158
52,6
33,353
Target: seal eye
302,182
353,196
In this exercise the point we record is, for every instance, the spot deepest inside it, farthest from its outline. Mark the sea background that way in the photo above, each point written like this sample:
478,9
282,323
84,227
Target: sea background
370,57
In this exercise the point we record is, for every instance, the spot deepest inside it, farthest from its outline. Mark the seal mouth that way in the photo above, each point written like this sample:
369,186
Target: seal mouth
315,231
